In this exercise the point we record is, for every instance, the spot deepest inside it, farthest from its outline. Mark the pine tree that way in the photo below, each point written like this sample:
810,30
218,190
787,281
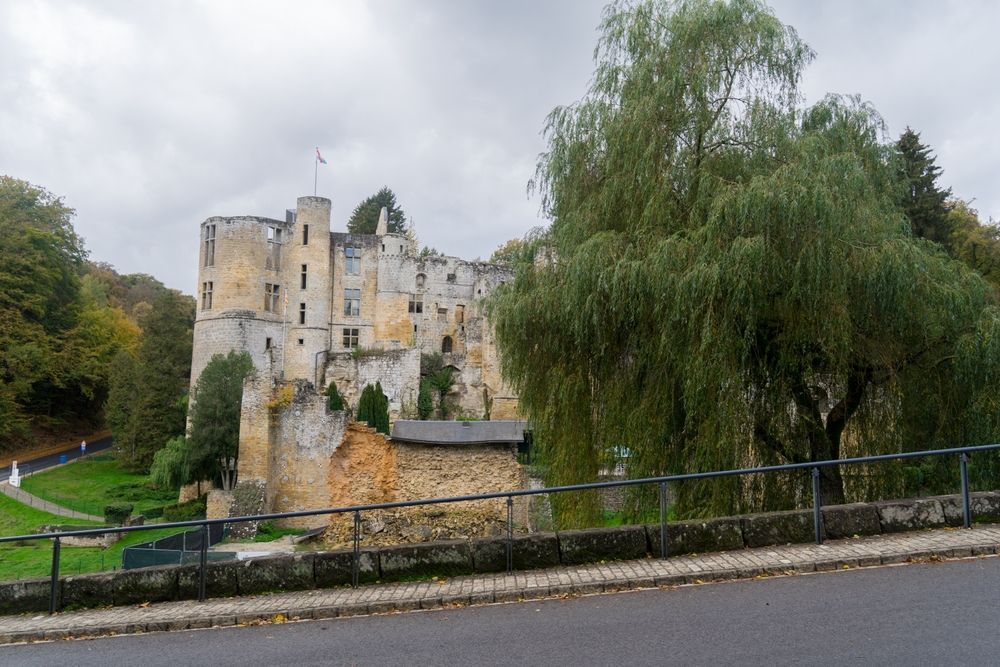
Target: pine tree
366,406
925,203
425,406
364,219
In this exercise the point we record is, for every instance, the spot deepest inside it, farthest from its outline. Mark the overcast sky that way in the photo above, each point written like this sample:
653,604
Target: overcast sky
149,117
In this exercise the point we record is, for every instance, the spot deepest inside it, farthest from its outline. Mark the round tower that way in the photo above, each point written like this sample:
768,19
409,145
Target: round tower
240,290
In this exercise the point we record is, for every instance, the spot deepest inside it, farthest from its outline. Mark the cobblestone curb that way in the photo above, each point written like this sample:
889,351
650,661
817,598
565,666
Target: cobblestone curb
492,588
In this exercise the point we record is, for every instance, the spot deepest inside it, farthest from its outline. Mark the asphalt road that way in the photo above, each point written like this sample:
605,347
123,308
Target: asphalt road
43,462
934,614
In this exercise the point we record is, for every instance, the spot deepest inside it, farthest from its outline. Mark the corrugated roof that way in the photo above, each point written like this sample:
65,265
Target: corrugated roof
457,433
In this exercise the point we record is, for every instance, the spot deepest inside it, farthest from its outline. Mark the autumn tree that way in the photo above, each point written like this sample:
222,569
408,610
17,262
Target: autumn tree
729,279
364,218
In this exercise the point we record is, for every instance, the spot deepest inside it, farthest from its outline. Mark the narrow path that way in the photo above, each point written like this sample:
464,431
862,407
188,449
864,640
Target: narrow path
23,496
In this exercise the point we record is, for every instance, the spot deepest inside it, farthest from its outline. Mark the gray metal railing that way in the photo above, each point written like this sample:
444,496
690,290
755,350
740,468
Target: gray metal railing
962,452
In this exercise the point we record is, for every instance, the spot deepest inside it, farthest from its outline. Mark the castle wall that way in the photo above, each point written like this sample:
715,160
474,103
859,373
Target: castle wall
397,369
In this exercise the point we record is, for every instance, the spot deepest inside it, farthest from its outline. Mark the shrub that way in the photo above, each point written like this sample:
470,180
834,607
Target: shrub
118,513
425,406
186,511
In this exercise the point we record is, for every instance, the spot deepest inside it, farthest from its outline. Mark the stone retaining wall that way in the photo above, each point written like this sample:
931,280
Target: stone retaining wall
307,570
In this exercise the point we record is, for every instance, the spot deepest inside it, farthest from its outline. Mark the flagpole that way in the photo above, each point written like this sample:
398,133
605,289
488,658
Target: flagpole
315,173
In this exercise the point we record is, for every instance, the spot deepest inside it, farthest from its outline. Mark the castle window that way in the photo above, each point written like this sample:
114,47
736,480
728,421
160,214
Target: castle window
305,268
305,234
353,263
273,248
350,337
420,280
209,245
352,302
302,313
442,314
302,341
451,277
446,345
271,294
459,314
206,296
267,344
416,303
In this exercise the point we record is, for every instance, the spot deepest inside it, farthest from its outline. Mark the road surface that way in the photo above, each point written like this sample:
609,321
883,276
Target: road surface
43,462
928,614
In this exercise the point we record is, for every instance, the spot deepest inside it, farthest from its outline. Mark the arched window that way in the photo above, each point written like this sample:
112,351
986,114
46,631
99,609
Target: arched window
420,280
446,345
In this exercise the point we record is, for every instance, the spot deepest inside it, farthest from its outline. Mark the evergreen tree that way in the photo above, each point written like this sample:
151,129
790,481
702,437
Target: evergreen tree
214,438
366,406
729,279
424,404
364,219
336,401
925,203
381,417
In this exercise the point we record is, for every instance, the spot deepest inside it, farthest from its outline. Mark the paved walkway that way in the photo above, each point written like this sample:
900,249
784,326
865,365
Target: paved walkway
485,589
34,501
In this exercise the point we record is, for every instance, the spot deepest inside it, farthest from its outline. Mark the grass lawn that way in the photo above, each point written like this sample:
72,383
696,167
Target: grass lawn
87,486
24,562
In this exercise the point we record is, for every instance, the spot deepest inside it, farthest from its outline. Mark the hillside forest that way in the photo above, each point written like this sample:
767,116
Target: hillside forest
68,324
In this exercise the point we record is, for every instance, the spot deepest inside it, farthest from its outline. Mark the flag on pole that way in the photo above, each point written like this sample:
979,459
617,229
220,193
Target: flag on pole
319,158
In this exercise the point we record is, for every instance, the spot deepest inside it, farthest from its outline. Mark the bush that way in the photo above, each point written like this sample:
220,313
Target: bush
118,513
153,512
186,511
425,406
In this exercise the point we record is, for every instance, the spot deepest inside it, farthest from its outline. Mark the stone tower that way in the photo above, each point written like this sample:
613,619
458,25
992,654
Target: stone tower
308,288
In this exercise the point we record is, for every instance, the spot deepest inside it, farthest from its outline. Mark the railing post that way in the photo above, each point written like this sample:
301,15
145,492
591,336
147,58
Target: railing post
202,559
356,564
55,577
663,520
817,516
966,513
510,534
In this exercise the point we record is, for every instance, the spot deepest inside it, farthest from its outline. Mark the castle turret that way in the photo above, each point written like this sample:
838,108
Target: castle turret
307,275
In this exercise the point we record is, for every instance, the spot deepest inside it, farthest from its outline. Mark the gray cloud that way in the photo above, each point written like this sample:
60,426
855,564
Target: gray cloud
149,117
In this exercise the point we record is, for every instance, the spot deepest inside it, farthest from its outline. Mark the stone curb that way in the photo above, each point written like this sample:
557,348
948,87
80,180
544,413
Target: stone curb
497,588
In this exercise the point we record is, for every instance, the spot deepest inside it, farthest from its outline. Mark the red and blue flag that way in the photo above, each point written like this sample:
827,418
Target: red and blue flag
319,158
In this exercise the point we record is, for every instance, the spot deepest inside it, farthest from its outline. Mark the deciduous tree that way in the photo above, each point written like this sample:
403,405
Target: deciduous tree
729,279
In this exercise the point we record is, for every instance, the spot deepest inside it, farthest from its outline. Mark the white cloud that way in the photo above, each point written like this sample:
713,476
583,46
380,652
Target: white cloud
149,117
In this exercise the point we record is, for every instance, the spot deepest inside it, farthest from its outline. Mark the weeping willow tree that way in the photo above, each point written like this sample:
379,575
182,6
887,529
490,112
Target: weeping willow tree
729,280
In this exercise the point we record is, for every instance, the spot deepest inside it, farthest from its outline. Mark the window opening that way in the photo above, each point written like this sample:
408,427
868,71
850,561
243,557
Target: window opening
451,277
305,234
274,248
209,245
446,345
350,337
352,302
420,280
302,341
400,250
383,247
305,268
416,303
267,344
271,294
353,261
206,296
302,313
